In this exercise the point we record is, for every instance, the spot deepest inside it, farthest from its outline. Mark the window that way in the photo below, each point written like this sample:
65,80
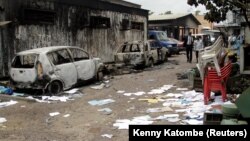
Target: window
125,25
135,48
59,57
24,61
126,48
78,54
99,22
36,16
137,25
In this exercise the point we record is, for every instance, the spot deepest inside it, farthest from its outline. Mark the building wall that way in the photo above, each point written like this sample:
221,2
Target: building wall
176,27
71,26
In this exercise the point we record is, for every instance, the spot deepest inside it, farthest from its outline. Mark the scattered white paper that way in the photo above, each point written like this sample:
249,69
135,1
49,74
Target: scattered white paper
72,91
120,92
141,120
101,102
106,111
54,114
173,119
127,94
139,93
155,110
167,116
193,122
5,104
67,115
2,120
161,90
98,87
182,89
181,110
176,95
156,91
107,135
136,94
55,98
48,99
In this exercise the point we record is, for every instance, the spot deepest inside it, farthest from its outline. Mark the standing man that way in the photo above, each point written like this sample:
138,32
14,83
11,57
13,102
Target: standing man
189,47
198,45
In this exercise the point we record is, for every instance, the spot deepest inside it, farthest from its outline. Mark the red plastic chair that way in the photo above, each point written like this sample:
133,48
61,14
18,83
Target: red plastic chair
214,82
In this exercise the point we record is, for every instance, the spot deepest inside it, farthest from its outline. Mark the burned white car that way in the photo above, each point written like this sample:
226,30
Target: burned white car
53,68
139,53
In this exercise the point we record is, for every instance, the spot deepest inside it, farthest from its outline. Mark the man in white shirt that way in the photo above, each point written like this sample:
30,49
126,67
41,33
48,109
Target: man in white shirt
198,45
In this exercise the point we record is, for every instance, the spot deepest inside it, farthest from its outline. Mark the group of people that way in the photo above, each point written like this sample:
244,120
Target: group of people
191,44
234,42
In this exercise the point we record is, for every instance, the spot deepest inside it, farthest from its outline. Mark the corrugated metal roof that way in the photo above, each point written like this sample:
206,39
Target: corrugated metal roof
167,16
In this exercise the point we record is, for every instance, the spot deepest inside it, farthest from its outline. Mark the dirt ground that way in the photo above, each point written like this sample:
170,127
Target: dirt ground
30,121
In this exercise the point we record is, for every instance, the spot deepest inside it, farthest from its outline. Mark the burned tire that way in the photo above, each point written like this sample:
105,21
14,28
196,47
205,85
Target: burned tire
99,76
55,88
166,57
150,63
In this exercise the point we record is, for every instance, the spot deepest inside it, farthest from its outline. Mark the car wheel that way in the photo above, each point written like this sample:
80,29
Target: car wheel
169,54
99,76
55,87
150,63
166,57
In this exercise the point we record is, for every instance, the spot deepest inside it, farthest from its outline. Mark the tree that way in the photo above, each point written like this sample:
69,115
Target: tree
217,9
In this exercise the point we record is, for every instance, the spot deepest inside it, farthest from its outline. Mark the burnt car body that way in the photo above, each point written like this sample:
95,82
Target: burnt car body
139,53
53,68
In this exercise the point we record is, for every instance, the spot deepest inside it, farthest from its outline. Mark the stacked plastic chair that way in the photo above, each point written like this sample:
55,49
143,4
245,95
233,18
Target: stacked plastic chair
210,55
215,82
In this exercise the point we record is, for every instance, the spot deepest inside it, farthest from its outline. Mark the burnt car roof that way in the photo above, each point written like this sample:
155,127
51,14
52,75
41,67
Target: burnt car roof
44,49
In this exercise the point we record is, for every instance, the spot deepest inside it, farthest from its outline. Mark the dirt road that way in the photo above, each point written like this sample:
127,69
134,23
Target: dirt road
80,121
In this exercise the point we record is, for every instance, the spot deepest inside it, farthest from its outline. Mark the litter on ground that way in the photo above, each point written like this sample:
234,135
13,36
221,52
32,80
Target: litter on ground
2,120
54,114
106,111
5,104
101,102
107,135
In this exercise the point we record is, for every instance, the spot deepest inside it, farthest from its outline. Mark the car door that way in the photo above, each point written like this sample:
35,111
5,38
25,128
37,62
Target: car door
85,66
64,67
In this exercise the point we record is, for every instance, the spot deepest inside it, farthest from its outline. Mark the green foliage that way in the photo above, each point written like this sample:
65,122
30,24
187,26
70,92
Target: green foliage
217,9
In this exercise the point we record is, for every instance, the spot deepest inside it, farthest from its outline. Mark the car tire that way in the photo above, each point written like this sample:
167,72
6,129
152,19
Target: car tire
169,54
99,76
150,63
55,88
166,58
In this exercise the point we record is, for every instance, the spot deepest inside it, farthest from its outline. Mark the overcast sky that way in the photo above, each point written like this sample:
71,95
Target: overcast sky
161,6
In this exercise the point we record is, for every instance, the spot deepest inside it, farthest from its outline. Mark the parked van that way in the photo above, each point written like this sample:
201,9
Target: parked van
162,38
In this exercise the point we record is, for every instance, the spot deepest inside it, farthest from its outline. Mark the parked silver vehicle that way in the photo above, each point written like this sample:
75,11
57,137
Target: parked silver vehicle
139,53
54,68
